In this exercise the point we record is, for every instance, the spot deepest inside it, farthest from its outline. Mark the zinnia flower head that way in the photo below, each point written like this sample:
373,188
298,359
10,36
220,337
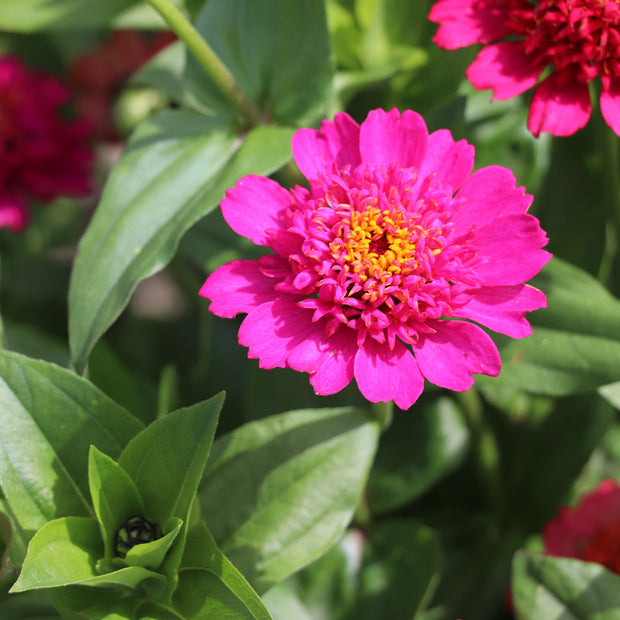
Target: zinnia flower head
590,531
577,39
393,239
42,155
98,75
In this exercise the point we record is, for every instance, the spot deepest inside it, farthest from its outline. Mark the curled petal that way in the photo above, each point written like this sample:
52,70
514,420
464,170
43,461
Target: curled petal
383,374
327,151
465,22
560,105
329,360
14,213
510,250
273,330
449,161
239,286
388,137
503,308
487,194
254,206
449,357
504,68
610,103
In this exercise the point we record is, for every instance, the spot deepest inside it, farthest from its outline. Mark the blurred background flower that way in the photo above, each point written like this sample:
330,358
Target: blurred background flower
578,39
590,530
42,154
99,75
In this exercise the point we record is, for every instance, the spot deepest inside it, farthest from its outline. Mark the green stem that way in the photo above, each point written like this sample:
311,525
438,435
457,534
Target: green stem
208,59
485,448
608,145
383,413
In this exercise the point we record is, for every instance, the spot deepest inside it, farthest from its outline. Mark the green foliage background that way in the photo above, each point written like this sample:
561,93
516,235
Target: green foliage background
287,505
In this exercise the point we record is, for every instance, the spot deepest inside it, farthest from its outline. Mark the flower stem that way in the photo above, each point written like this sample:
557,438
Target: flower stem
485,448
383,413
610,168
608,145
208,59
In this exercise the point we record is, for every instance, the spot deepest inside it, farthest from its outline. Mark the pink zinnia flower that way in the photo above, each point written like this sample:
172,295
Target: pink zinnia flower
42,156
589,531
578,39
393,237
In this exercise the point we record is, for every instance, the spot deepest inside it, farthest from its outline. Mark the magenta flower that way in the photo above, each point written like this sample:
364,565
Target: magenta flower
42,156
394,237
589,531
578,39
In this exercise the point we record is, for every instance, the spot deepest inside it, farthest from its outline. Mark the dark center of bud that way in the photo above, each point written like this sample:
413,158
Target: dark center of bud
135,531
380,245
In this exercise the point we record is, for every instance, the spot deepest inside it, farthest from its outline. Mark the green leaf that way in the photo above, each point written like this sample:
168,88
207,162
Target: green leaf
278,492
210,586
114,494
576,342
415,452
277,50
175,170
48,419
400,570
547,587
166,460
31,15
63,551
152,554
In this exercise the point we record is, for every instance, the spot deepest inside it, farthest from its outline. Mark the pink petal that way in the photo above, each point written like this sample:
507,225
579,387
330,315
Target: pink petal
509,250
505,68
237,287
255,206
387,137
451,162
610,104
329,360
14,213
448,357
465,22
559,105
488,193
384,375
274,329
327,151
502,308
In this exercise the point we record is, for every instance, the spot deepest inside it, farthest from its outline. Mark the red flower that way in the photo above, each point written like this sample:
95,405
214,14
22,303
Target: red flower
578,39
99,74
42,156
589,531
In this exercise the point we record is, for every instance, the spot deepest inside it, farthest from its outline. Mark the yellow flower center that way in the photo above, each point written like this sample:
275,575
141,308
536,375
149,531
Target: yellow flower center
380,247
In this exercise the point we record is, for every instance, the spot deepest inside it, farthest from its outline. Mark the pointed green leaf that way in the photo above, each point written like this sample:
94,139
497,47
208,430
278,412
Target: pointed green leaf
277,50
277,493
114,494
152,554
547,587
175,170
48,419
166,460
63,551
210,586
